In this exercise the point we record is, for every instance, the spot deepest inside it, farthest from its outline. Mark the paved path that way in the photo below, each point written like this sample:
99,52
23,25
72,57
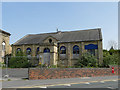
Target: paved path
15,73
56,82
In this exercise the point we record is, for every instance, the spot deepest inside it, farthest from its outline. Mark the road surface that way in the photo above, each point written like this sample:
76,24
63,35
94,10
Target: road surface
109,82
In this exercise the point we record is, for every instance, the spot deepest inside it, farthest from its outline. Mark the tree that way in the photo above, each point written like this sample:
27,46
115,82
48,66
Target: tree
19,61
106,59
110,57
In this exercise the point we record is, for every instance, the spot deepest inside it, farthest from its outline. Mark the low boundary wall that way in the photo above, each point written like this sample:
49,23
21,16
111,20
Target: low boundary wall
57,73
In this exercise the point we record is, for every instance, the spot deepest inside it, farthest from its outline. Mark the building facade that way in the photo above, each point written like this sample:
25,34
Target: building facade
61,48
5,47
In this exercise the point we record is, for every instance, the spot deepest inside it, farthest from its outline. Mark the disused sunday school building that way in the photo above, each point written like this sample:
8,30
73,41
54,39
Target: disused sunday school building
61,48
5,47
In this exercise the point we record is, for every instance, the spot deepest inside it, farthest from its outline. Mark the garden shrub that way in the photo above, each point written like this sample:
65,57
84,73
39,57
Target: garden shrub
19,61
110,57
87,60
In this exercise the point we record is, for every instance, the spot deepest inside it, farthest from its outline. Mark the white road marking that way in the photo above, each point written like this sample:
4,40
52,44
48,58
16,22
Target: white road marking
40,86
114,80
102,82
87,83
43,87
67,85
110,87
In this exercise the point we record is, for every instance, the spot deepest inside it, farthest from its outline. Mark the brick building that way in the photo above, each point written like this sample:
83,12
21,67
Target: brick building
5,47
61,48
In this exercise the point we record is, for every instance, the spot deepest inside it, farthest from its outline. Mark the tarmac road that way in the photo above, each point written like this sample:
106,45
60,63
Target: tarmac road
110,83
101,84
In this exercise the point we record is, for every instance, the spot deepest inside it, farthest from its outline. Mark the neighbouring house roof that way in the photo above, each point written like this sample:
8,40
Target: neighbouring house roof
67,36
5,32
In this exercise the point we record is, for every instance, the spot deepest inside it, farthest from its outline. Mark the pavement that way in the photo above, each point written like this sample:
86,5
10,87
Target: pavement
15,72
83,82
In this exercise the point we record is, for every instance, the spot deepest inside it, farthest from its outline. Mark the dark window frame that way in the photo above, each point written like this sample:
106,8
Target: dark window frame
50,40
63,51
46,50
28,51
76,49
18,50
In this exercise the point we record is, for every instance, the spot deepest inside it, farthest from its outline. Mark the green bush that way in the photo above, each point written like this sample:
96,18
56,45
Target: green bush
19,61
106,59
110,58
87,60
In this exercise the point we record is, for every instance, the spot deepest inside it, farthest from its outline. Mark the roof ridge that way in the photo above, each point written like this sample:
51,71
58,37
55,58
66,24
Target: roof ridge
82,30
67,31
44,33
4,32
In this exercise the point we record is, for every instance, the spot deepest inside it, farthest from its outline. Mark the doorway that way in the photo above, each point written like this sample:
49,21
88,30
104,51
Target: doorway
46,56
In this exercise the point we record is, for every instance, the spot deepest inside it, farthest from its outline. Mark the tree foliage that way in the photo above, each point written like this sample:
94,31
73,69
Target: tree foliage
19,61
87,60
110,57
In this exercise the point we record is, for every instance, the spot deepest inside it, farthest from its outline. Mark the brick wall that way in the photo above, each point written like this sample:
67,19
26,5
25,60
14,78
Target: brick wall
57,73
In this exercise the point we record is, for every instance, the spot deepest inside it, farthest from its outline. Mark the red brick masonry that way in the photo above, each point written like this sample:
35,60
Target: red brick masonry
57,73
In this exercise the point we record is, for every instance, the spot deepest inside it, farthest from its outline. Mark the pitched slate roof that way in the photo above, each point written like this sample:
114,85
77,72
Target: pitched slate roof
68,36
5,32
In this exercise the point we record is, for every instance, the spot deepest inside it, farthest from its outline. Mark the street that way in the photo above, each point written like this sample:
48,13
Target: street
101,84
110,82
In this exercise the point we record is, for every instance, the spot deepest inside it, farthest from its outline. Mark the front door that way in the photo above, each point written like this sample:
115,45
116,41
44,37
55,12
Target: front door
46,56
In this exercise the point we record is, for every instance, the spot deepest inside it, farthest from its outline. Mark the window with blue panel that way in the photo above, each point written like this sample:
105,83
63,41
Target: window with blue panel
91,48
37,51
46,50
62,50
76,49
28,51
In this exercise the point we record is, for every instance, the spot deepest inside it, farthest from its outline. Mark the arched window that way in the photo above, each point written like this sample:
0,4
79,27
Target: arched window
18,50
62,50
46,50
37,50
3,46
37,53
28,51
76,49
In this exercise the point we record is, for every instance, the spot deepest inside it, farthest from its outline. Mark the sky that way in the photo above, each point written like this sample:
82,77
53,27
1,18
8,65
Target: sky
22,18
